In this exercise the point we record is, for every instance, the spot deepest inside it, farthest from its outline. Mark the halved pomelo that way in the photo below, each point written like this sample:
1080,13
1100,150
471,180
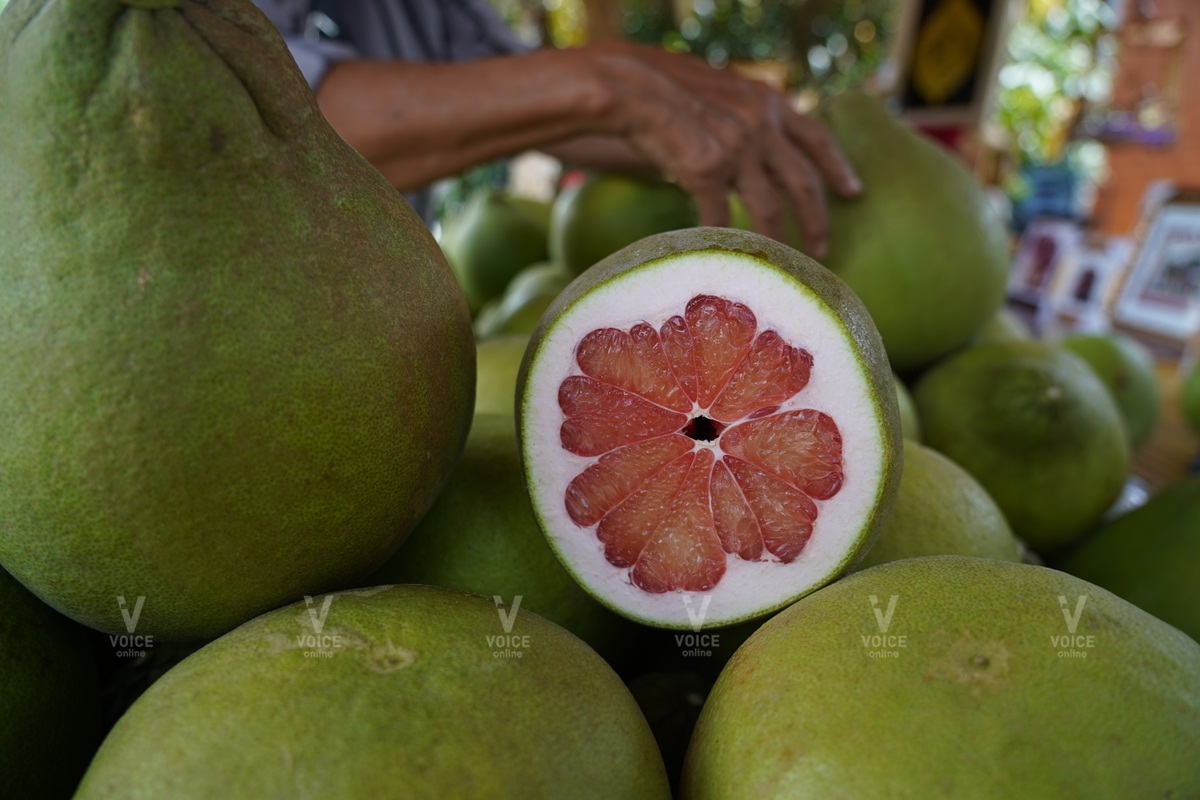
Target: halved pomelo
709,428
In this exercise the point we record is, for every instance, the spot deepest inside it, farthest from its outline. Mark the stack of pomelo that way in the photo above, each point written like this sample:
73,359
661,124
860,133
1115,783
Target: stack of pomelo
210,425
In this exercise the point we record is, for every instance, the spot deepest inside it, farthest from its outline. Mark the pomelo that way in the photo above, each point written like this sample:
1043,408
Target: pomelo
1035,426
1004,326
941,510
1127,368
235,367
1189,397
954,677
490,241
910,423
607,212
526,298
480,536
708,428
497,362
923,246
1150,556
49,698
410,691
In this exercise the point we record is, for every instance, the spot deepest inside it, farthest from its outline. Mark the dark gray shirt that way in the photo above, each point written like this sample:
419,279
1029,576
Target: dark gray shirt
321,33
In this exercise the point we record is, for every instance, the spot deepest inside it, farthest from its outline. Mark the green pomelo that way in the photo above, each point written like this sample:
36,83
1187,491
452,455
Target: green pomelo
941,510
537,210
1035,426
953,677
1149,556
1189,398
922,247
910,423
480,536
50,721
236,367
526,298
1127,368
498,361
708,427
608,212
1004,326
385,692
490,241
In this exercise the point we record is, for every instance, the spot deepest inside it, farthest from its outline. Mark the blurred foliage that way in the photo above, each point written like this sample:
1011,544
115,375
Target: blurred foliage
825,44
1062,59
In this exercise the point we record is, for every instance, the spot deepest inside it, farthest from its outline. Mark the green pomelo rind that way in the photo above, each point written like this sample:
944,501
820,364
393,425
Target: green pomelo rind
941,510
809,278
1127,368
608,212
1035,426
922,246
1149,556
412,702
976,703
50,721
481,537
236,367
1004,326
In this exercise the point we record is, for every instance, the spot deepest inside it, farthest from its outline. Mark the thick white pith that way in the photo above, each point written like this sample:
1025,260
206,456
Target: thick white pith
838,385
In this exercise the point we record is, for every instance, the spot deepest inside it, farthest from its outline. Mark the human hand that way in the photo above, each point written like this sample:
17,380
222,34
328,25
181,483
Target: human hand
715,132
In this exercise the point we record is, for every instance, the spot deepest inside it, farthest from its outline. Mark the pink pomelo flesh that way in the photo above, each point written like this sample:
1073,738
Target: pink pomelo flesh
697,461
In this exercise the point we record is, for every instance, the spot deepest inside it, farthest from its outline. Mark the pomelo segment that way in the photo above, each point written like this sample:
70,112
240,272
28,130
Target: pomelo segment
707,412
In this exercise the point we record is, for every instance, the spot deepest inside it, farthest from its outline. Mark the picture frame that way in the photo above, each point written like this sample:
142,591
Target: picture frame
1161,293
1047,241
1083,288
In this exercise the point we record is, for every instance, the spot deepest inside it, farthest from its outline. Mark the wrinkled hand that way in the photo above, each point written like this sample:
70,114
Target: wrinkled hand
714,132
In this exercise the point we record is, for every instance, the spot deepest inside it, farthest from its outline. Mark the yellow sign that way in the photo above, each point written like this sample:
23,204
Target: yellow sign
947,51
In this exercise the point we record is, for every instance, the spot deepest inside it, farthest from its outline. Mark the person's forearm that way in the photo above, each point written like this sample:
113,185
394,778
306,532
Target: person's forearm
418,122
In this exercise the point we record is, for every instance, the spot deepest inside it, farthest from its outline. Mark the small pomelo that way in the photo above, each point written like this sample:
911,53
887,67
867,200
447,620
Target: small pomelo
1150,556
952,677
410,691
910,423
498,361
490,241
1035,426
1127,368
941,510
708,427
1004,326
480,536
50,722
526,298
608,212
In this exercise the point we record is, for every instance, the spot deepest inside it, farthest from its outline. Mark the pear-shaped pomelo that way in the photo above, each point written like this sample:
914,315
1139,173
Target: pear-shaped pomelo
922,246
708,428
941,510
1035,426
1127,368
50,724
498,361
607,212
1149,556
235,367
401,691
953,677
492,239
480,536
